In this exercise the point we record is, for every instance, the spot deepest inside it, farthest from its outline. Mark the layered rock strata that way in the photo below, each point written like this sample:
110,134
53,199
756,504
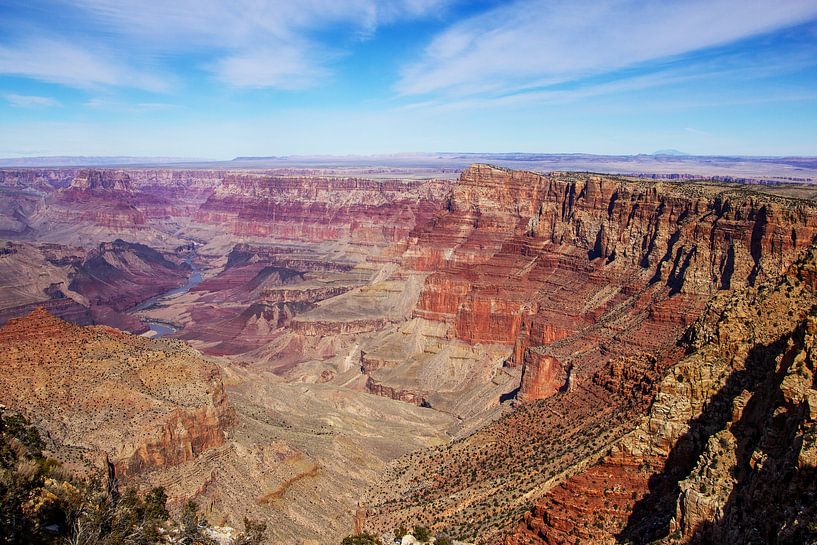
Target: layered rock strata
589,281
97,392
725,453
317,209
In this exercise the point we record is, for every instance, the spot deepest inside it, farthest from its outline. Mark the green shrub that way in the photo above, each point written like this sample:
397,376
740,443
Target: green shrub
43,504
421,533
361,539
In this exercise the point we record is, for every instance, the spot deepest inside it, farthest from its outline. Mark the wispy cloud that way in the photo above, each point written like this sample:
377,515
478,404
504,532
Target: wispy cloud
249,43
532,43
693,130
31,101
103,103
739,69
286,66
60,61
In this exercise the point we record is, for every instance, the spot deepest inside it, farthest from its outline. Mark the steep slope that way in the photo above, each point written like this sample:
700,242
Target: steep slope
100,394
38,275
85,286
294,455
120,274
727,451
587,281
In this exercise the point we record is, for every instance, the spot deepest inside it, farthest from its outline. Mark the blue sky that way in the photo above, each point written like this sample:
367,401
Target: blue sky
220,78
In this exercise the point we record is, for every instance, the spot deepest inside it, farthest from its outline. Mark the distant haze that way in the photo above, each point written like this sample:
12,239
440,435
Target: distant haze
231,78
662,164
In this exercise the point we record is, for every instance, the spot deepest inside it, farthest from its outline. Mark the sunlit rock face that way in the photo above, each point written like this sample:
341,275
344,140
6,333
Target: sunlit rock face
527,259
320,209
590,282
103,394
537,319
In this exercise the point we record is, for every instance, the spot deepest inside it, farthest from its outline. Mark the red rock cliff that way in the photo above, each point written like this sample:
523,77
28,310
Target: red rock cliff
528,259
97,391
313,209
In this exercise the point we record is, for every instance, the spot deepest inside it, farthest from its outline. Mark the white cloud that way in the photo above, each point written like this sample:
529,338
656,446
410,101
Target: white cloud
531,43
738,69
104,103
284,67
58,61
249,42
31,101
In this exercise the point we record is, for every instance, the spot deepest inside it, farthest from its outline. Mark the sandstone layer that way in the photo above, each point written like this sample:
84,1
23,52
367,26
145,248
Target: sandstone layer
527,326
589,281
725,454
99,394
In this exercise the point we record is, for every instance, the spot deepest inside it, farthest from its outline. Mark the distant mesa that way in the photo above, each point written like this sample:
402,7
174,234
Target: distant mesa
671,152
98,179
260,158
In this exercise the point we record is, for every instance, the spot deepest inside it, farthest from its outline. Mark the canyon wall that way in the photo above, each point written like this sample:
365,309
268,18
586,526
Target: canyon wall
589,281
101,394
529,260
85,285
319,209
726,452
551,305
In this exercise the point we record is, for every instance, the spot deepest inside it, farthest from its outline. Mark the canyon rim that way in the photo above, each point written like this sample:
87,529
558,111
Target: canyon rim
235,310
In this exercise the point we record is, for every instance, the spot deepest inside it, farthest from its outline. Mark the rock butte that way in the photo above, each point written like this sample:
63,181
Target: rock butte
622,354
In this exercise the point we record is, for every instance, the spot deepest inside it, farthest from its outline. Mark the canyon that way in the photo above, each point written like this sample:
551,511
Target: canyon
505,357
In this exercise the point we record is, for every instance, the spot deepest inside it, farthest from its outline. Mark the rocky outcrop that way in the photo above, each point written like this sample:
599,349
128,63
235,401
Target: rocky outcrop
101,180
95,197
528,259
407,396
725,454
98,392
313,328
184,434
542,376
120,274
317,209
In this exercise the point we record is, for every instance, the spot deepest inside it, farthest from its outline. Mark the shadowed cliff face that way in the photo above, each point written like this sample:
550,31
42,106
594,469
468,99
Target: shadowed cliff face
726,454
121,274
536,315
86,286
531,260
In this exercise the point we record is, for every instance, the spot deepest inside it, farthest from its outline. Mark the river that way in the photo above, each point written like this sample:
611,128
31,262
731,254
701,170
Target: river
160,329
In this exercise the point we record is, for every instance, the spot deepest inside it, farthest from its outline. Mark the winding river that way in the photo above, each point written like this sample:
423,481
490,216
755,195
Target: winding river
160,329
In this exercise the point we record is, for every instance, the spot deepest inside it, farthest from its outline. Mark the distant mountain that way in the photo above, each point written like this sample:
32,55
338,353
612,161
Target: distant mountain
672,152
258,158
79,161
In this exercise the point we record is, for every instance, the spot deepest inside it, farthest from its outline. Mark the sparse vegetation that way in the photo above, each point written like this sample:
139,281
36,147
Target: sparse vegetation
43,504
421,533
361,539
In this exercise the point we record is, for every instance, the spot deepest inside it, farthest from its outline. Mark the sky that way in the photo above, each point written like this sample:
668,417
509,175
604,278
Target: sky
215,79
